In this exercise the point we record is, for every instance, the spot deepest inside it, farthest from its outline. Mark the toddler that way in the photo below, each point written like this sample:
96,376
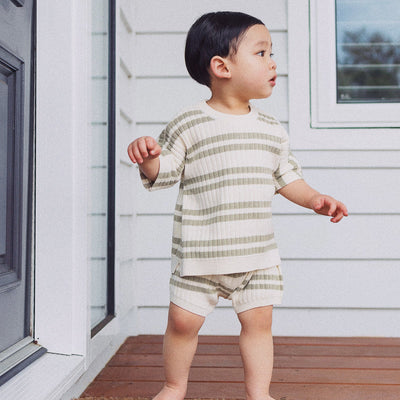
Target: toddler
230,159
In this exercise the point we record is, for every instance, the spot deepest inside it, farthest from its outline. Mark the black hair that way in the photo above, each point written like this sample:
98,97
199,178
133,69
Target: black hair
214,34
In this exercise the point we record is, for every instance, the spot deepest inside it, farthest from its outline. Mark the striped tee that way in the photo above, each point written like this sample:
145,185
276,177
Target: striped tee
229,168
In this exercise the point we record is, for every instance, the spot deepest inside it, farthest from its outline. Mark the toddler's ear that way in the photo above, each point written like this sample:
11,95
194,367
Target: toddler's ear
219,68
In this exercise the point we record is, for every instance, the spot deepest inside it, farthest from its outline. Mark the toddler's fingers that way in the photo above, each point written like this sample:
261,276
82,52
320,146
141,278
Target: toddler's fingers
137,152
341,211
142,145
130,153
317,205
150,142
337,217
156,151
152,146
332,208
344,209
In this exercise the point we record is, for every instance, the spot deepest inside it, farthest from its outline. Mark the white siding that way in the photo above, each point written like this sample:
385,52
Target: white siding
339,279
98,164
125,115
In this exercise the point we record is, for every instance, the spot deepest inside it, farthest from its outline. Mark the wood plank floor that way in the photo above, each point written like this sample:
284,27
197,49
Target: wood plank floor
304,369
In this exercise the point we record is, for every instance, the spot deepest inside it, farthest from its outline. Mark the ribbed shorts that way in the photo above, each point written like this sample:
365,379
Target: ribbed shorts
247,290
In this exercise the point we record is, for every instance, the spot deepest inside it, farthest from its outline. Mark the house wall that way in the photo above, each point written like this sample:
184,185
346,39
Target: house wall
126,250
63,176
106,342
339,279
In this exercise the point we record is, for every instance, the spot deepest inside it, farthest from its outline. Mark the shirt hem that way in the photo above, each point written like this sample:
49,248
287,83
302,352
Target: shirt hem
226,265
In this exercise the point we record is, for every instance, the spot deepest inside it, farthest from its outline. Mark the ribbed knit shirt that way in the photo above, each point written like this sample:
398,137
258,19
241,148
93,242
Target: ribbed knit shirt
229,168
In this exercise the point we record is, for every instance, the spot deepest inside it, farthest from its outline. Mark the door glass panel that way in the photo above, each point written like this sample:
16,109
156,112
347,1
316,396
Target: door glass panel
3,171
368,51
11,159
17,96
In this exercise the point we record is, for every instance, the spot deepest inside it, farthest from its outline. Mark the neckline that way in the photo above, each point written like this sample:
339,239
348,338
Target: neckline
218,114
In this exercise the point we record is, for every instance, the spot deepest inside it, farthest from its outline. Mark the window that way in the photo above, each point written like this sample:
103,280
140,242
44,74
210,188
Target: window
355,63
3,172
368,51
102,164
11,156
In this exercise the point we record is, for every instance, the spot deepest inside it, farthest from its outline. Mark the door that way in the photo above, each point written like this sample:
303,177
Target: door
16,186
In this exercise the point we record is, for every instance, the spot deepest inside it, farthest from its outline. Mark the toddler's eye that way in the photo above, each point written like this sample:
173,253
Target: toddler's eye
272,54
261,53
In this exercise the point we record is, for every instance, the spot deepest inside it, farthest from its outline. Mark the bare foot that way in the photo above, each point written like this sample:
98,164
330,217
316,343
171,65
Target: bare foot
170,393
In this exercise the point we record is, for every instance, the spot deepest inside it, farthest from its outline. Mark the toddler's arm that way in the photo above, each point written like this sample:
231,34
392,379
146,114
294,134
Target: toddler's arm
301,193
146,151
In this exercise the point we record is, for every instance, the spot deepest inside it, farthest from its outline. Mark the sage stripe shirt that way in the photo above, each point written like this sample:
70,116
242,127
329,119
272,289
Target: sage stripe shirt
229,168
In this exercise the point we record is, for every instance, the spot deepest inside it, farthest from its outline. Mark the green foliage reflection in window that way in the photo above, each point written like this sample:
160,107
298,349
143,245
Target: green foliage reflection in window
368,51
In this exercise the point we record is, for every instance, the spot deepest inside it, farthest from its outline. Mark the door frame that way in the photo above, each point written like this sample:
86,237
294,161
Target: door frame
18,356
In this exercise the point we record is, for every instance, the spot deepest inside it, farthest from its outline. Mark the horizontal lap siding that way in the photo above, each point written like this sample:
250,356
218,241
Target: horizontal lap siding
336,290
299,236
339,279
177,15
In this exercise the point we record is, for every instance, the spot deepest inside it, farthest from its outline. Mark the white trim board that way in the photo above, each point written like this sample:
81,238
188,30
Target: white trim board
302,135
45,379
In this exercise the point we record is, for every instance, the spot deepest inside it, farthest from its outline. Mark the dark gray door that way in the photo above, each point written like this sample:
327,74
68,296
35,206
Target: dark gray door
16,188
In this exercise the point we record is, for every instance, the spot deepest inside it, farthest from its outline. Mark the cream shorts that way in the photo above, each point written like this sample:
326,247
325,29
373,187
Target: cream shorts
247,290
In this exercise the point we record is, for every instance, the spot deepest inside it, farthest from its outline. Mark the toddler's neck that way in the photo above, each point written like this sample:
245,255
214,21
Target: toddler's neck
233,107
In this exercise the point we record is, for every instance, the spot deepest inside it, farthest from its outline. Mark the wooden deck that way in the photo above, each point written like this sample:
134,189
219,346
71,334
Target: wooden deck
304,369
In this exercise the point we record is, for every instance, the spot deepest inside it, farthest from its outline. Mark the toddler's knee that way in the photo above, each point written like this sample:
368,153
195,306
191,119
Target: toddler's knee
257,319
184,323
180,325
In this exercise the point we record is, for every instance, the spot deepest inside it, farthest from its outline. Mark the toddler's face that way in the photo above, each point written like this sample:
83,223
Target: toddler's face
252,68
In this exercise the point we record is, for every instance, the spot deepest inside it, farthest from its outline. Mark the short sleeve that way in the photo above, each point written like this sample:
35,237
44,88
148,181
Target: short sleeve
289,169
172,159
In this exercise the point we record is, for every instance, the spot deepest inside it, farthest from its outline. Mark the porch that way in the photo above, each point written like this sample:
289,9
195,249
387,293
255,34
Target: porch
305,368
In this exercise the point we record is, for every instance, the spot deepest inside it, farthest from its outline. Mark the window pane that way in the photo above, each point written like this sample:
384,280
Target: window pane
98,205
368,51
3,169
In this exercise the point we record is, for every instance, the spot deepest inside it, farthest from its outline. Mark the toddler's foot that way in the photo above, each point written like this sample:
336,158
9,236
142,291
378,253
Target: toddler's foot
169,393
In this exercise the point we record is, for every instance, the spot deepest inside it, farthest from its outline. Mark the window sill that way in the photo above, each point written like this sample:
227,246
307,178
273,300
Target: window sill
46,379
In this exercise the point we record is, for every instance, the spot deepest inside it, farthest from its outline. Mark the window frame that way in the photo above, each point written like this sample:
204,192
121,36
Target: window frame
20,201
325,111
303,135
111,172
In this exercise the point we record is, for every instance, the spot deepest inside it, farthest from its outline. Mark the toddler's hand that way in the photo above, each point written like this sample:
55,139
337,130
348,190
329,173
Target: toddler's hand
327,205
142,148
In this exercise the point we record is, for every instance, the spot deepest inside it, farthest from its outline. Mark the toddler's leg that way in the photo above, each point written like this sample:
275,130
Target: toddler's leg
256,348
180,343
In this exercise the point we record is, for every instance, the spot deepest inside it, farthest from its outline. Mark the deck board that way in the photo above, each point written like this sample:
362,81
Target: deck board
205,374
304,369
294,350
